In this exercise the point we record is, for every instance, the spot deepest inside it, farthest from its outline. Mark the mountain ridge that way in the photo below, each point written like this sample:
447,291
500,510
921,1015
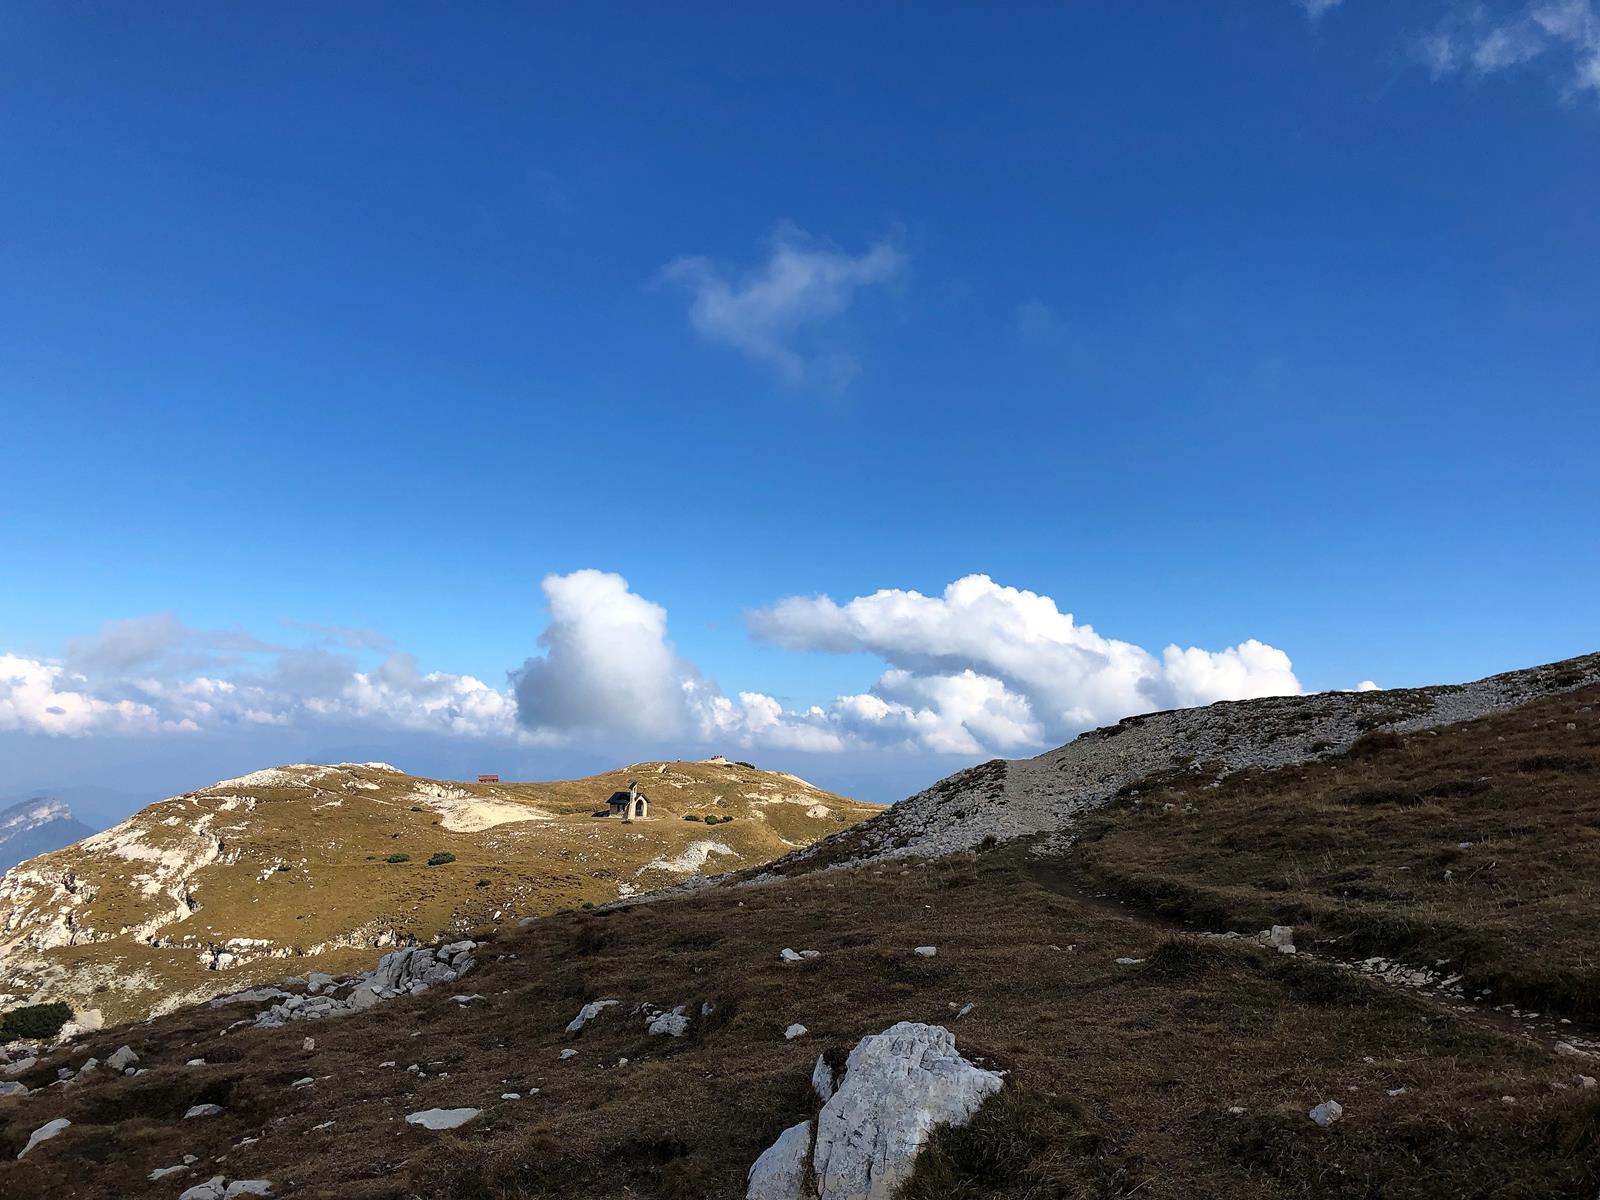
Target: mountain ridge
323,864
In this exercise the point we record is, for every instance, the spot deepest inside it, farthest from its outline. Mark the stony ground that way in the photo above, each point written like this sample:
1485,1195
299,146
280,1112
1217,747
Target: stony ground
1015,798
1139,1060
288,870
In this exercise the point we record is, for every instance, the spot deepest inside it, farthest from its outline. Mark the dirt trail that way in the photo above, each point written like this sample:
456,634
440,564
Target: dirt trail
1547,1029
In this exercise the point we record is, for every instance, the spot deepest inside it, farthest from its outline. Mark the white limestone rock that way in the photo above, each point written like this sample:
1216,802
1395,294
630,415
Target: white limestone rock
122,1058
780,1172
926,951
673,1024
1327,1113
44,1133
441,1118
794,1031
897,1086
588,1013
822,1079
203,1110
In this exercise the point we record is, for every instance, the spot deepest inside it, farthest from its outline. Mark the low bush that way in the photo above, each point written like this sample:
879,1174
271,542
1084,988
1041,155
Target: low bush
34,1021
691,816
440,858
398,858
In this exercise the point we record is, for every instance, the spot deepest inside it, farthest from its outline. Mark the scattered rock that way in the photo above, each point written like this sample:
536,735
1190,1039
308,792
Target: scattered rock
203,1110
674,1023
121,1059
780,1171
1281,939
568,1053
588,1013
1129,962
1327,1113
441,1118
12,1088
511,1095
309,1044
925,951
195,1062
305,1082
794,1031
898,1085
822,1079
163,1172
44,1133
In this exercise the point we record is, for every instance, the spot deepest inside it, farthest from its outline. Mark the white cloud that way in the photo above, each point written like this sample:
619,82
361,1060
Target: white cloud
1315,8
997,667
607,663
804,281
980,668
40,697
1489,38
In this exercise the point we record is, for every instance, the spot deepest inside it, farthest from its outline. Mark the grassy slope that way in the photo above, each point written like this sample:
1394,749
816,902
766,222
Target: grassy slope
1366,849
335,881
1120,1078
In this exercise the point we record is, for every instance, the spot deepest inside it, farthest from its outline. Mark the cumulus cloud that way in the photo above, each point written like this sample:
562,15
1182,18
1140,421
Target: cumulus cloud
1486,38
141,682
607,663
804,281
40,697
983,665
979,668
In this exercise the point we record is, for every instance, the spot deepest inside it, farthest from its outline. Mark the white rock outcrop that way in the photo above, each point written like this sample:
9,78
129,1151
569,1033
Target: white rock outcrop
897,1086
44,1133
441,1118
588,1013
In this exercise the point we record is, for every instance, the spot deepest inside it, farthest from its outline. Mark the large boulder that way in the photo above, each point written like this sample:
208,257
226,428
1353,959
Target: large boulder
897,1087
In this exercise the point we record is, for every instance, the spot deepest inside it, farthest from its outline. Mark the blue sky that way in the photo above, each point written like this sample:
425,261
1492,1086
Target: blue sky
328,333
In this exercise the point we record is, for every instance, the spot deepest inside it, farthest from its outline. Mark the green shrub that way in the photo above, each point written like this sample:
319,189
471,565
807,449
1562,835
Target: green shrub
398,858
691,816
34,1021
483,883
440,858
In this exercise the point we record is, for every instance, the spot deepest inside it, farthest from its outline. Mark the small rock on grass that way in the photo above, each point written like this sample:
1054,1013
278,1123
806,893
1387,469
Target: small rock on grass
441,1118
925,951
1327,1113
794,1031
44,1133
203,1110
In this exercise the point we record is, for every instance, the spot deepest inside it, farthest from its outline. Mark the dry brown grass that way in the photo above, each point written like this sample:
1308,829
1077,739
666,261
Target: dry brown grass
1366,849
1119,1078
307,871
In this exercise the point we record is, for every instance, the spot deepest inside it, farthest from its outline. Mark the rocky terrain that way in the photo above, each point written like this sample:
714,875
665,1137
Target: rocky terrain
1271,964
323,867
37,826
1004,799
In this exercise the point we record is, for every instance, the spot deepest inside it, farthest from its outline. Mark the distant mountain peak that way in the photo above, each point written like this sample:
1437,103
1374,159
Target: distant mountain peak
37,826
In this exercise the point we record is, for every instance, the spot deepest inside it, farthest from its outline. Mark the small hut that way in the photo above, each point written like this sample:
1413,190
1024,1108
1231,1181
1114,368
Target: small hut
631,805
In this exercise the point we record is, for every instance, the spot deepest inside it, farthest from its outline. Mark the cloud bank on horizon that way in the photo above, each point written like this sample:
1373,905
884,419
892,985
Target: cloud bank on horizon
978,668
